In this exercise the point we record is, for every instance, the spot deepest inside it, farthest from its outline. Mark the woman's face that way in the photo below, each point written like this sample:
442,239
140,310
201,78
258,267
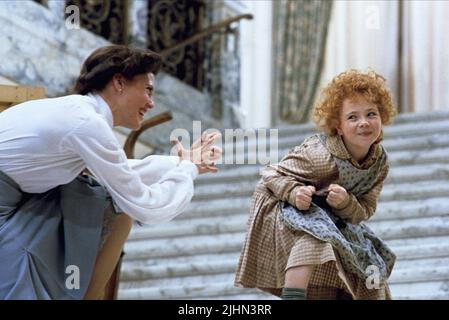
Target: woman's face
135,99
360,125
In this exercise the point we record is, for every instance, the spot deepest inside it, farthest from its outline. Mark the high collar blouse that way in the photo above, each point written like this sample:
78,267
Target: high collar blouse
46,143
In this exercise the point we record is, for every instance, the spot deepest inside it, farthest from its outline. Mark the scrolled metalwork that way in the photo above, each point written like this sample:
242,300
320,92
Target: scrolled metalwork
170,22
104,18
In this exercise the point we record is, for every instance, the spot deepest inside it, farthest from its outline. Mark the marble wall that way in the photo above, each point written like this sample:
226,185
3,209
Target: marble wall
38,49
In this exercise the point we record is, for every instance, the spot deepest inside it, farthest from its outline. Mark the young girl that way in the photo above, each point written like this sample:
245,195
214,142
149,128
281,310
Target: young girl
306,236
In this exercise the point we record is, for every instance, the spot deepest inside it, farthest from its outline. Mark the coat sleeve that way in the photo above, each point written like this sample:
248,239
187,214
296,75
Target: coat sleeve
293,171
362,208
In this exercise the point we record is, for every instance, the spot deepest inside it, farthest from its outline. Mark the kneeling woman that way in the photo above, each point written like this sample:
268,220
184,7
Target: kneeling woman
54,220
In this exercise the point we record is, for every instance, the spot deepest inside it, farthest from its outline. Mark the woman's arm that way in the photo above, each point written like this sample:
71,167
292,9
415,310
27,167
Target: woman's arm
152,168
161,201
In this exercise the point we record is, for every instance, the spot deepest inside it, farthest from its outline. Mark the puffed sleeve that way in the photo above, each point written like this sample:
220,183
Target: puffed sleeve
145,199
152,168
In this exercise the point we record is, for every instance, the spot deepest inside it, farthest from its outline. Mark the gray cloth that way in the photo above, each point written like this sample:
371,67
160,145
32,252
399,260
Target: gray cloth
357,246
41,235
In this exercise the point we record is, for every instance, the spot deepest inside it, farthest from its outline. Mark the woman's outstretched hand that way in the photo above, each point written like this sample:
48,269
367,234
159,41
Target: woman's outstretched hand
202,152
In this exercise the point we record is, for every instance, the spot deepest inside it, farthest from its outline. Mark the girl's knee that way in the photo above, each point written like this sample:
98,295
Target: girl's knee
298,277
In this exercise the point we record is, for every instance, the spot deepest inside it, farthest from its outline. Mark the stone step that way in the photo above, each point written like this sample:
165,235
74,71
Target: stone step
238,223
191,243
407,228
411,136
406,249
417,241
184,246
401,123
200,226
223,285
423,261
399,276
404,158
431,206
215,207
426,290
396,158
405,174
210,290
420,274
180,259
435,290
404,118
413,141
434,255
391,191
419,190
408,173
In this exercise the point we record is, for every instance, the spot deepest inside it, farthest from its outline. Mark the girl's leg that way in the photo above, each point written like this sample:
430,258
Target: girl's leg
108,256
296,282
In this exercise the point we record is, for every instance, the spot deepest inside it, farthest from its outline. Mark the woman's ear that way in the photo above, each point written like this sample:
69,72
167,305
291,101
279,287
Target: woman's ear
118,82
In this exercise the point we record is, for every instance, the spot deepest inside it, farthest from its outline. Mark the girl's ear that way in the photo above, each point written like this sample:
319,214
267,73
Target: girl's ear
336,125
339,131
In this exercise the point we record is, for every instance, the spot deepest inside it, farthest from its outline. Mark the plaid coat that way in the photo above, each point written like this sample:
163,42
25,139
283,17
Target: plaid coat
271,247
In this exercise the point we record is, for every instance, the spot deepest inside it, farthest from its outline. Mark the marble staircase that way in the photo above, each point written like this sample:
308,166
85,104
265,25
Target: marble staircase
195,255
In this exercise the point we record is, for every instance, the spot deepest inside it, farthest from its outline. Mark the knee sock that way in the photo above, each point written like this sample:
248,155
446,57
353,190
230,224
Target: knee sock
293,294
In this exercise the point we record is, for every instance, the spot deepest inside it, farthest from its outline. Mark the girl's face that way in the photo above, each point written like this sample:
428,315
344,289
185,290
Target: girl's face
360,126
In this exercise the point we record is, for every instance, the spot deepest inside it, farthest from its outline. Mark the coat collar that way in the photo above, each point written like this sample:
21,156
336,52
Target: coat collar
336,147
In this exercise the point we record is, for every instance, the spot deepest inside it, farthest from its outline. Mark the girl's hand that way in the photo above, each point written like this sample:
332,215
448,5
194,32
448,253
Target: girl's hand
337,197
303,197
202,152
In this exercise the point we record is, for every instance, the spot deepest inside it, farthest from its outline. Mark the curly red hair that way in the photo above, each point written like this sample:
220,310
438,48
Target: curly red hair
352,84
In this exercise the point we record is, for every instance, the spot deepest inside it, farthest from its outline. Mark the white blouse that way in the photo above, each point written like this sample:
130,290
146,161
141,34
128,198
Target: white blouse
48,142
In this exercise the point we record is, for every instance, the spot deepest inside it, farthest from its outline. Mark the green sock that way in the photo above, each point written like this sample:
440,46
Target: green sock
293,294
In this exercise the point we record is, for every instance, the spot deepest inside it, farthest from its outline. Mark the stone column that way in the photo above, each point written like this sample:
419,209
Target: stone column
224,79
57,7
137,23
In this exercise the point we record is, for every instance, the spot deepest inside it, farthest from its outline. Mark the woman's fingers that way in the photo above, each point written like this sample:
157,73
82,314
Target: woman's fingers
202,152
179,148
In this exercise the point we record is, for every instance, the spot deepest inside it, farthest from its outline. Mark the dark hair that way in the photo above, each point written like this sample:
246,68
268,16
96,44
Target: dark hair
105,62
